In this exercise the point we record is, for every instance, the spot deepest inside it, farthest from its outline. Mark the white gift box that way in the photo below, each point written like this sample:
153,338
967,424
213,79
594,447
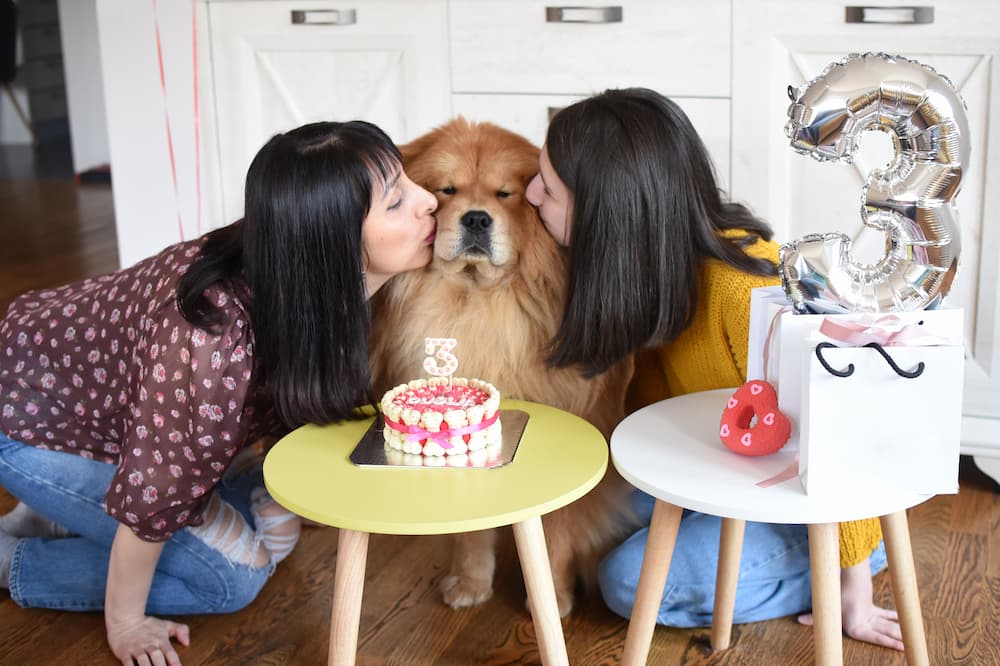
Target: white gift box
784,338
875,426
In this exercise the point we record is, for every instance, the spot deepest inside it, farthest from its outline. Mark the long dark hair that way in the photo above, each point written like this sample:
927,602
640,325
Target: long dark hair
646,212
298,248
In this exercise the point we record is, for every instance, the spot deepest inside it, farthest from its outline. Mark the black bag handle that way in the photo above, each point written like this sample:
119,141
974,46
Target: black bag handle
849,370
911,374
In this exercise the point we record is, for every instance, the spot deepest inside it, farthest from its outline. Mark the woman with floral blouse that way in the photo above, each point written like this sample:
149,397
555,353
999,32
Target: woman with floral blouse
128,402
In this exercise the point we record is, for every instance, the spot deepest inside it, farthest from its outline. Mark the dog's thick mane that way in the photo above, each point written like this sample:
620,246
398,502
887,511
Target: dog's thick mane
503,303
495,325
504,319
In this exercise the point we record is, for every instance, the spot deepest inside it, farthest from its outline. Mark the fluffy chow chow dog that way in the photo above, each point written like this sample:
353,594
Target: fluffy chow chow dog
497,284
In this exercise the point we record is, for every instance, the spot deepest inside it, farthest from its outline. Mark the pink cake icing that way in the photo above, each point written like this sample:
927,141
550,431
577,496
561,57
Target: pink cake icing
429,417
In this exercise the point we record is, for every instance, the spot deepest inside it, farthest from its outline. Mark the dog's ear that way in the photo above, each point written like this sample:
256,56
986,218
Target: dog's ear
456,127
414,149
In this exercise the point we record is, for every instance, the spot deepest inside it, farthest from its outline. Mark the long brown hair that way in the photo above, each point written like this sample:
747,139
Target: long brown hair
646,212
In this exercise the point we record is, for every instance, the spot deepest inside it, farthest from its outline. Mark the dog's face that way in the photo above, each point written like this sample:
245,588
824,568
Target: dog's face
479,173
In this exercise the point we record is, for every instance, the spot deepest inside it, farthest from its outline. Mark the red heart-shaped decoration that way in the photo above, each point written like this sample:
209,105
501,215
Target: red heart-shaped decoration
772,430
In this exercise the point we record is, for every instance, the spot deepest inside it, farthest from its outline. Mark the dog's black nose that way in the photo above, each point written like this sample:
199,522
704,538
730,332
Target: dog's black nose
477,220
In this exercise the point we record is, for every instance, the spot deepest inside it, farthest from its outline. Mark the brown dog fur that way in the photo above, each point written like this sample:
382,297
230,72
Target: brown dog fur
503,303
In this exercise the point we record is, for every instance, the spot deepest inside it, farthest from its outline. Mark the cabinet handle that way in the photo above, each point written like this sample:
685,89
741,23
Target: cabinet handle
324,17
583,14
898,15
553,110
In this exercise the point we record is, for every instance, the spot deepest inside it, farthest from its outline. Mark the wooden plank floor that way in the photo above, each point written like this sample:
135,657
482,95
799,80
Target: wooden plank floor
52,232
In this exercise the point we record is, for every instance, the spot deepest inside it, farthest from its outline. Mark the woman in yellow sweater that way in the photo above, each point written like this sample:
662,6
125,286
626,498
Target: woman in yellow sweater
662,266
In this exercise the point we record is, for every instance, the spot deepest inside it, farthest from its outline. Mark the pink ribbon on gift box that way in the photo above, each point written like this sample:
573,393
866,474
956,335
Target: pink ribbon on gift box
442,437
887,330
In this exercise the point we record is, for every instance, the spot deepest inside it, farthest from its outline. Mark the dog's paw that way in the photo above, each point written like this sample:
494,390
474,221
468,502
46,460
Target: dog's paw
564,602
462,591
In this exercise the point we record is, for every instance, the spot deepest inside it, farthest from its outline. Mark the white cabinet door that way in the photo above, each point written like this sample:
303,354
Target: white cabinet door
525,114
529,115
584,46
278,65
774,48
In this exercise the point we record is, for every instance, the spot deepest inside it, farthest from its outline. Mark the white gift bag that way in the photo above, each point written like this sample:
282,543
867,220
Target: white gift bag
783,338
876,426
768,305
765,304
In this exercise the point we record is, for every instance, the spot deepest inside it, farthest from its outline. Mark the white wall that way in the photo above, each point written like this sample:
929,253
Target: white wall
84,87
146,206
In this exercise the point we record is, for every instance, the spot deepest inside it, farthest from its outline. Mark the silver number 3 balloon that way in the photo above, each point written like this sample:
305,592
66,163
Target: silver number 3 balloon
912,200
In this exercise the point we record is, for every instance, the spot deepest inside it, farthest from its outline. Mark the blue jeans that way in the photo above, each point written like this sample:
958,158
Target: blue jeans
773,580
71,573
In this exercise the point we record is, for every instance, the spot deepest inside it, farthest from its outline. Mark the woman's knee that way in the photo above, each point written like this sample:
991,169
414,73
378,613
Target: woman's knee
244,584
209,583
680,605
618,574
770,569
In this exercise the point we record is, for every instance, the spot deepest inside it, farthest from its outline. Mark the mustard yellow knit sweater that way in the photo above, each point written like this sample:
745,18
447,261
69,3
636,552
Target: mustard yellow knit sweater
712,353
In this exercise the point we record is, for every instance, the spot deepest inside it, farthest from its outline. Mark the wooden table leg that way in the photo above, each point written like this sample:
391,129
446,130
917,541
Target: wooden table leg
726,577
896,531
348,586
824,564
652,578
530,540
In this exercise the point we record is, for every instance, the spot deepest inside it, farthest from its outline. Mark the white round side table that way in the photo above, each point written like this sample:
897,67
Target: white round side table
671,450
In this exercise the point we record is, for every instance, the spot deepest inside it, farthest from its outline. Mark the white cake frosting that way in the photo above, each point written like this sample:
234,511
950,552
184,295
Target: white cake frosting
436,417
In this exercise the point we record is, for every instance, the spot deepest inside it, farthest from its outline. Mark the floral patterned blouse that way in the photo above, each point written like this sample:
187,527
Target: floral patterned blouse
109,369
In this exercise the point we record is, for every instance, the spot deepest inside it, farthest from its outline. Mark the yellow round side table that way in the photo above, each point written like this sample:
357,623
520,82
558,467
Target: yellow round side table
559,459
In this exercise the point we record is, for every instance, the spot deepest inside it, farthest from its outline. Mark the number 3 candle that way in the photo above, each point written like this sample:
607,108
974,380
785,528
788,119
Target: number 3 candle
443,347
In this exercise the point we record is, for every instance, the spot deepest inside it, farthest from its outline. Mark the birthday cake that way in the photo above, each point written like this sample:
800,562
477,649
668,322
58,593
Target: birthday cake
442,416
487,457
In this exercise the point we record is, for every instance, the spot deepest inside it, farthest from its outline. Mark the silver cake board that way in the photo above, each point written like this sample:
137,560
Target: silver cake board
372,450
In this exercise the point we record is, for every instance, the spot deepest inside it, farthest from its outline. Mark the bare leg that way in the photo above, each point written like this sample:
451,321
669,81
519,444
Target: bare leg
278,527
225,530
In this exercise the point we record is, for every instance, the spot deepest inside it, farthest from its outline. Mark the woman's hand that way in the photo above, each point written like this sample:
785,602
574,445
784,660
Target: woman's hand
133,636
861,618
145,640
